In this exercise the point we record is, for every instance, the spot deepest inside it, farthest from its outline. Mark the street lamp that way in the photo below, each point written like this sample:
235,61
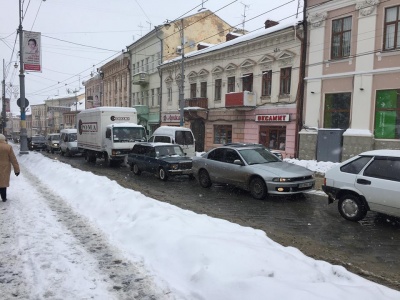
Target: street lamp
3,84
181,88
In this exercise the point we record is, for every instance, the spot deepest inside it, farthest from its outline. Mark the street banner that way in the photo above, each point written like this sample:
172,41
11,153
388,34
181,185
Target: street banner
32,51
7,100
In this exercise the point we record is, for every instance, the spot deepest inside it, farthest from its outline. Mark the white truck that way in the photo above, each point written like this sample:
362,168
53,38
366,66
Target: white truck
109,133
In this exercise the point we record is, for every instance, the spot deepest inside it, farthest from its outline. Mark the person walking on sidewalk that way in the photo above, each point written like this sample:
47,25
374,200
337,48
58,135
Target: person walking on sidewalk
7,158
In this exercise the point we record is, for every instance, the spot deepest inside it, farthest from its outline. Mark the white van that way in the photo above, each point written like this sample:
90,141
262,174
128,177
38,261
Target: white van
68,142
176,135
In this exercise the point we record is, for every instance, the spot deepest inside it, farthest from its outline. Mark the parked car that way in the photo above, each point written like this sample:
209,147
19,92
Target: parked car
162,159
254,168
37,142
53,142
368,181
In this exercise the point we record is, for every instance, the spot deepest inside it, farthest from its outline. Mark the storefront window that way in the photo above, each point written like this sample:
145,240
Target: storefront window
387,114
337,110
273,137
222,134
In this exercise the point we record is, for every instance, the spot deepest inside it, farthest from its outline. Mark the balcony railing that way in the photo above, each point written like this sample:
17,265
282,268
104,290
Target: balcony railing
197,102
140,78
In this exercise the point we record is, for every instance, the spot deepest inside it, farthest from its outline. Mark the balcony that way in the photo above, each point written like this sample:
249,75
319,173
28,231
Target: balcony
141,78
241,99
197,102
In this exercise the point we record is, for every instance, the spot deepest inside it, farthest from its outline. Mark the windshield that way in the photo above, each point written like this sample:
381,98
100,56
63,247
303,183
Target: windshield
184,138
129,134
55,137
38,139
173,150
258,156
72,137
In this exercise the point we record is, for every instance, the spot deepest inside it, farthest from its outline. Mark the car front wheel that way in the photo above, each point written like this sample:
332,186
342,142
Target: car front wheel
352,207
258,188
162,174
204,179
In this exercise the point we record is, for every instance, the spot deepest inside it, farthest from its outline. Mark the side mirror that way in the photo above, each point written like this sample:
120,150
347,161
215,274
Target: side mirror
238,162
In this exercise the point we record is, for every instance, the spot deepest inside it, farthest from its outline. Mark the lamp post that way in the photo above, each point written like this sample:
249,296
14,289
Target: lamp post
23,134
182,86
3,97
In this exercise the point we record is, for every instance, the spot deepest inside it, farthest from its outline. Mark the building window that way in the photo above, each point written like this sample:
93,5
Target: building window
138,67
158,96
146,93
152,97
231,84
387,114
193,90
218,85
203,89
273,137
142,64
266,83
341,38
286,74
392,30
337,110
222,134
147,65
169,90
247,82
133,68
152,63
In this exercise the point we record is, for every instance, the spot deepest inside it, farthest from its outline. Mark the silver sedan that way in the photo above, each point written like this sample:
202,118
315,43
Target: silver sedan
254,168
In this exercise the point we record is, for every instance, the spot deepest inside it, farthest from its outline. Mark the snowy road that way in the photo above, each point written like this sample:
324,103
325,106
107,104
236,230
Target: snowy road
87,268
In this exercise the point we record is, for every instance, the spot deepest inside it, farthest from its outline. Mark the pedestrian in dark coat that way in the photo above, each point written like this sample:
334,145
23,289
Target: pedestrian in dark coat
7,158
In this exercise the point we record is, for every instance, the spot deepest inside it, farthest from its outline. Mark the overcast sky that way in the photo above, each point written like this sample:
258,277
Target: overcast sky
78,34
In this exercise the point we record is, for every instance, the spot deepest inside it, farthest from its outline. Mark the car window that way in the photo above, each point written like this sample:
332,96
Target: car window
150,151
384,168
258,156
231,155
184,138
151,140
162,139
72,137
217,154
355,166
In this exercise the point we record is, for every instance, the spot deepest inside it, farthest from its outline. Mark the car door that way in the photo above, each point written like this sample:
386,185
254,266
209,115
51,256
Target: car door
380,184
234,174
215,165
150,160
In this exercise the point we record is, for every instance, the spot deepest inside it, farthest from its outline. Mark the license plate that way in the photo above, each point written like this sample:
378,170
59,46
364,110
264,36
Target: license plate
305,185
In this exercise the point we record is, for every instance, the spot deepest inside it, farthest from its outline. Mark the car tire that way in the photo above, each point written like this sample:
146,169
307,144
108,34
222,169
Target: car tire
258,188
204,179
352,207
62,153
135,169
162,174
67,152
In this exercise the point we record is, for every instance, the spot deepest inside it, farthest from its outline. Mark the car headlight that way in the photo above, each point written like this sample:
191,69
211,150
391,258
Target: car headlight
279,179
174,166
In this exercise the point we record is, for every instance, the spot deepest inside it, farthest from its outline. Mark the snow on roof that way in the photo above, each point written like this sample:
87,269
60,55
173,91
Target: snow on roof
383,152
358,132
243,38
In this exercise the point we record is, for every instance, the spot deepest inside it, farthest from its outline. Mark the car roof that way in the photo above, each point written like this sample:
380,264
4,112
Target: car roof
242,145
156,144
382,152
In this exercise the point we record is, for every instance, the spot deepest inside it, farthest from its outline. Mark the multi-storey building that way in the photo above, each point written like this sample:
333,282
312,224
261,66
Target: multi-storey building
164,43
39,119
242,90
352,79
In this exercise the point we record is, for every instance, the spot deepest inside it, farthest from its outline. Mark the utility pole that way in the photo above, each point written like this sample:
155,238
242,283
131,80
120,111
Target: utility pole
181,90
3,99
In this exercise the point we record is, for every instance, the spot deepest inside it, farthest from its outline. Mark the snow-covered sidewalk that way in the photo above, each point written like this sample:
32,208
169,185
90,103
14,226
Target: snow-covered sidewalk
172,253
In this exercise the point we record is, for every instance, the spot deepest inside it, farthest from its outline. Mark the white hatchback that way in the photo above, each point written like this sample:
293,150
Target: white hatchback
368,181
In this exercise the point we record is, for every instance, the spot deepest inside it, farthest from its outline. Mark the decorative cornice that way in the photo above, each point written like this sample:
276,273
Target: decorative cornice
317,19
366,7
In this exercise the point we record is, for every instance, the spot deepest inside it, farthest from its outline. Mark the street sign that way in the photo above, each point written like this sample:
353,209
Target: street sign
19,102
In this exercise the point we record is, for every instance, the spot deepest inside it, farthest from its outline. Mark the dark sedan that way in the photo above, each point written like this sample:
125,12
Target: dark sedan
162,159
37,143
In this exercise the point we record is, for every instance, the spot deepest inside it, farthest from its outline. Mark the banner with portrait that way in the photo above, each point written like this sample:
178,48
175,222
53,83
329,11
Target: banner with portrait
31,51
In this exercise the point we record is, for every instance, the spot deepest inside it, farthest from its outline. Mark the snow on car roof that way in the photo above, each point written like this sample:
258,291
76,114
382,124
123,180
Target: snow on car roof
382,152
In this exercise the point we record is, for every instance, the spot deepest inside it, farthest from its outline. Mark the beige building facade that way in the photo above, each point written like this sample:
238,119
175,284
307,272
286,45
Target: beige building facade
352,78
242,90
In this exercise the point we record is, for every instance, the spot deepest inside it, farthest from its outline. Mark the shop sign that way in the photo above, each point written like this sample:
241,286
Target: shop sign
272,118
172,118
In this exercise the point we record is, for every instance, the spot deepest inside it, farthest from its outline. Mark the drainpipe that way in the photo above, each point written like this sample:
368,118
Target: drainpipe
159,71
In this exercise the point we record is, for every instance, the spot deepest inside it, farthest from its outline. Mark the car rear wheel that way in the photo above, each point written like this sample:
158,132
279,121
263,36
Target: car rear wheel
162,174
204,179
136,169
258,188
352,207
